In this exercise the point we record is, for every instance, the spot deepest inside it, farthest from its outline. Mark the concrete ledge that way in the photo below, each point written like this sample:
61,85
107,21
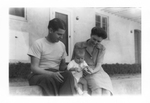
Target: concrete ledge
26,90
130,86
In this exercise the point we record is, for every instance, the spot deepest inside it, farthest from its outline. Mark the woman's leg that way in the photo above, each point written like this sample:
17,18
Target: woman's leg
101,91
98,81
106,92
97,91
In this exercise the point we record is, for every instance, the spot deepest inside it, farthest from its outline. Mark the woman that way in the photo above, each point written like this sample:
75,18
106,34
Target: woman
98,81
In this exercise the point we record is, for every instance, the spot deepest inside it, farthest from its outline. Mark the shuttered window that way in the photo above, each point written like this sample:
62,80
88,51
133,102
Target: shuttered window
102,21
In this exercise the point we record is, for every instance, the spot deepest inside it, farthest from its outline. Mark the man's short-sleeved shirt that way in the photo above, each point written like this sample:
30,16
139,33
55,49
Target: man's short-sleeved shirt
50,54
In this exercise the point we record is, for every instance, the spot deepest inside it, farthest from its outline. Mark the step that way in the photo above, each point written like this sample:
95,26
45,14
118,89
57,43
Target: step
26,90
131,86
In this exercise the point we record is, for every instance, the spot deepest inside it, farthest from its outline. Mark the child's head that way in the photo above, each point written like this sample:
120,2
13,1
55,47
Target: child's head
79,55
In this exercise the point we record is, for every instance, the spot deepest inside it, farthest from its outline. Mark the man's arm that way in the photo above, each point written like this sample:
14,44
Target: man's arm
36,68
63,66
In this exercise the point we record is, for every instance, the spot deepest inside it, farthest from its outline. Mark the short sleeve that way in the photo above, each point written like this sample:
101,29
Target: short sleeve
64,52
35,50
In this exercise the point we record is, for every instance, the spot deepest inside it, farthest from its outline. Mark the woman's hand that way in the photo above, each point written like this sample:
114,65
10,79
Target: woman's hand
86,72
58,76
77,69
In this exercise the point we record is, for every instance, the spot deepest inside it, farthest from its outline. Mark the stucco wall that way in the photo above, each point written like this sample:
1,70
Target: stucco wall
35,26
119,46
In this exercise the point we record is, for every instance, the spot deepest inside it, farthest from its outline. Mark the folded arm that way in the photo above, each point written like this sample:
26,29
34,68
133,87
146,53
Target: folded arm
38,70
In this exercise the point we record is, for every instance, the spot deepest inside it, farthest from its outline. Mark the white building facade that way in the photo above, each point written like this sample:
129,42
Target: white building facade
121,45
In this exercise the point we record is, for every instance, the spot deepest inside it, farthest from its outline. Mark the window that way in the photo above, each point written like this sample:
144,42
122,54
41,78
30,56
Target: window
17,13
102,21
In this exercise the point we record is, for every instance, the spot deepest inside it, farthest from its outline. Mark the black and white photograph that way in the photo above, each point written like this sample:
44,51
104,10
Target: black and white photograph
46,43
76,52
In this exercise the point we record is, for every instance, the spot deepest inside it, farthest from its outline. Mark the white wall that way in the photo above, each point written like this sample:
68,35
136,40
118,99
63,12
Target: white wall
35,26
119,47
18,45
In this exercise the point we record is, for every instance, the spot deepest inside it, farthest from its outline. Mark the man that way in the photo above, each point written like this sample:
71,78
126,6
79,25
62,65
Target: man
48,62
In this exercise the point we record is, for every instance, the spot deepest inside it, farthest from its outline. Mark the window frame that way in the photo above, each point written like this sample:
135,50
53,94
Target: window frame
101,22
14,17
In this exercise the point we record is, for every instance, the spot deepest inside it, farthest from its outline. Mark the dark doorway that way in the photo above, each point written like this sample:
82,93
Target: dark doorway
137,41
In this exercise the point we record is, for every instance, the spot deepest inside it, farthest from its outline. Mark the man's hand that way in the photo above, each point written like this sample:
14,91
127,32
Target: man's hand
58,76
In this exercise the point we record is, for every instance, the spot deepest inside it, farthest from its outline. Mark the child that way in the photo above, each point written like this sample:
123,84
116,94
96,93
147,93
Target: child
77,66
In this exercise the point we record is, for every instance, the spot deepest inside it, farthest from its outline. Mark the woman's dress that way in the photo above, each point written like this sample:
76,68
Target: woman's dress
99,79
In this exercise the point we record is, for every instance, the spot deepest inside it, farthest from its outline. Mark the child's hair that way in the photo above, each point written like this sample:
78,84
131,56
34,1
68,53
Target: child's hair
79,51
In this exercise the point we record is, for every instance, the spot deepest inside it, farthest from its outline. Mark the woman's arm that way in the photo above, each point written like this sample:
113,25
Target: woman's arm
99,59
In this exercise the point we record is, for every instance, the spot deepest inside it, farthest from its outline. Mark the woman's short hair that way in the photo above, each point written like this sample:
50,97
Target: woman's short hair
100,32
56,24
